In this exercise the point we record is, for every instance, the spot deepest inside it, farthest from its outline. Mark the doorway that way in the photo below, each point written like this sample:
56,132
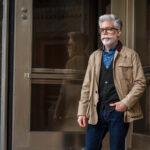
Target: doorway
53,40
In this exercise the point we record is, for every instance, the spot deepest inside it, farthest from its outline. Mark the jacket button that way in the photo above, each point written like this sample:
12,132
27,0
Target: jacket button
96,92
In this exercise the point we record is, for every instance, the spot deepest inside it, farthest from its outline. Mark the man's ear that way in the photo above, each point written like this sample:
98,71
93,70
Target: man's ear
119,33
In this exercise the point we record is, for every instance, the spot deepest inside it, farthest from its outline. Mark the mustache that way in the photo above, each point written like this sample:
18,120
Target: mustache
106,36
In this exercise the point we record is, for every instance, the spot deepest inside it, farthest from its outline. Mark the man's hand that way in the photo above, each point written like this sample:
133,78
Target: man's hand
82,121
119,106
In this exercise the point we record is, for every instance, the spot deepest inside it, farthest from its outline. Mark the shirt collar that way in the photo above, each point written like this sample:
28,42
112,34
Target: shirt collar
119,47
112,49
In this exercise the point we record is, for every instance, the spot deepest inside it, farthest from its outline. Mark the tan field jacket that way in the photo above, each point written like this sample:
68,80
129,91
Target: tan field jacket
129,81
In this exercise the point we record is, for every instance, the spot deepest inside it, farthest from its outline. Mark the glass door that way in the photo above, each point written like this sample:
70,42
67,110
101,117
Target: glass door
59,60
53,40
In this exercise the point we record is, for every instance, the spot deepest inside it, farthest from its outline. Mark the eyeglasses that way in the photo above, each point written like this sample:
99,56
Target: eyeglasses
108,30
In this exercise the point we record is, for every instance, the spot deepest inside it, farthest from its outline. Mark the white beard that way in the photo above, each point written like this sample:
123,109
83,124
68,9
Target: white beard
109,41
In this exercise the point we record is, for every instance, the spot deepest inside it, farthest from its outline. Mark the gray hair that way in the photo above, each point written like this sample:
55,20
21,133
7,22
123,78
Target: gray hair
111,17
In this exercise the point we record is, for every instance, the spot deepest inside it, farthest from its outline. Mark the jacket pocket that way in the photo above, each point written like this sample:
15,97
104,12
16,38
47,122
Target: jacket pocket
124,70
125,65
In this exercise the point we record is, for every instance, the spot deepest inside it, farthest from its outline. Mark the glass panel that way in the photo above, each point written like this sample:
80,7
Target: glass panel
54,106
53,20
60,54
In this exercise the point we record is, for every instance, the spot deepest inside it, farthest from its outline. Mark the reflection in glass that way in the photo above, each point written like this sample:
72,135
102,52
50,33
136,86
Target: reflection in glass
59,58
67,103
54,106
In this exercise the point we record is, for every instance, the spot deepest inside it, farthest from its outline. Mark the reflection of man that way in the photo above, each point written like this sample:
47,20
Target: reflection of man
77,44
67,103
113,83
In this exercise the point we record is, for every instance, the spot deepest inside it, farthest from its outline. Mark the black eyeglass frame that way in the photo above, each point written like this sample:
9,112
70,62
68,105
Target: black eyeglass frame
108,30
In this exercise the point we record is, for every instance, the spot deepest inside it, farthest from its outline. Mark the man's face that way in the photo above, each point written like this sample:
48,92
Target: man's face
109,33
70,47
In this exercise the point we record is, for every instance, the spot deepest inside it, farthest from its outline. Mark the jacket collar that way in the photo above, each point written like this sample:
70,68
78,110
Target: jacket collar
119,47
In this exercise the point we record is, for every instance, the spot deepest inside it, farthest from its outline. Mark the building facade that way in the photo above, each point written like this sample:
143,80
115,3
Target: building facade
45,48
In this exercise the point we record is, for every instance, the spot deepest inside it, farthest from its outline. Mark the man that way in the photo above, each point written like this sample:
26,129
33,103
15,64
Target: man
113,84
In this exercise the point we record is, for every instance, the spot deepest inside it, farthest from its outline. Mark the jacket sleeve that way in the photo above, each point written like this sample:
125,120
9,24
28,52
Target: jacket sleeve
85,91
139,83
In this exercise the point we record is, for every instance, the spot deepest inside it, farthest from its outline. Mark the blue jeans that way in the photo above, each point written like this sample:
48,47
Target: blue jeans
107,121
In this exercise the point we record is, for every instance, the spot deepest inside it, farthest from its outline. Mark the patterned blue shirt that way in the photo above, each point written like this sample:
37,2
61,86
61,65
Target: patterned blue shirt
108,56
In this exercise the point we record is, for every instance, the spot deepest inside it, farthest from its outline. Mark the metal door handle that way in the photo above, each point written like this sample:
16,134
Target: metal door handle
27,75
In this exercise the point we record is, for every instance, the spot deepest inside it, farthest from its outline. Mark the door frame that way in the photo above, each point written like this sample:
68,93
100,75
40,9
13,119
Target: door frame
4,76
23,138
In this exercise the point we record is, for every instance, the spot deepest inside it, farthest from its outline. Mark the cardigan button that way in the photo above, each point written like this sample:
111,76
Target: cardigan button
94,105
106,82
96,92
